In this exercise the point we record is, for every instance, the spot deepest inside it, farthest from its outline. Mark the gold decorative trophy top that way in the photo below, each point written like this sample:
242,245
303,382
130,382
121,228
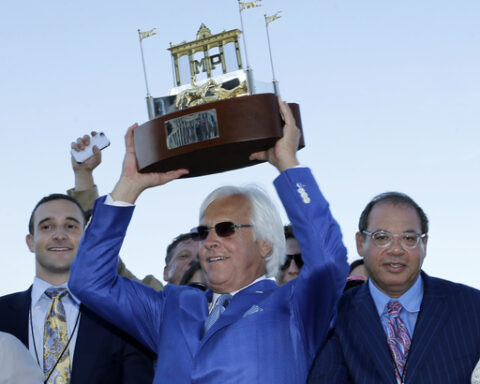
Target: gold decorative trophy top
213,118
213,89
206,55
217,57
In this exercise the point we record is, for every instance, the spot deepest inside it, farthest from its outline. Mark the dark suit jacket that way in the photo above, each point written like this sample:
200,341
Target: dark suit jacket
103,354
445,343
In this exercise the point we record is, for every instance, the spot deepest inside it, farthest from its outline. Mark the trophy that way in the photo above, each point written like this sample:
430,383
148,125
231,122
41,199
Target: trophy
210,125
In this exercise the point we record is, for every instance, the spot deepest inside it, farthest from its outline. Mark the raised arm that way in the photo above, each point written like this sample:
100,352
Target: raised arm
85,191
315,292
94,278
283,155
132,183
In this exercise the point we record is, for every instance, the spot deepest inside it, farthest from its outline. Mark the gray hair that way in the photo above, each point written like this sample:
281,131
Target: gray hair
266,221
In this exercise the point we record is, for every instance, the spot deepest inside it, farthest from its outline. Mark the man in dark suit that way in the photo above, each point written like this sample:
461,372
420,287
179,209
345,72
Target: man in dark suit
95,351
403,326
266,334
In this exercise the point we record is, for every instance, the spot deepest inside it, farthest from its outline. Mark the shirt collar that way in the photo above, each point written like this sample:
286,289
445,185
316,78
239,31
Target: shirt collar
217,295
40,286
410,300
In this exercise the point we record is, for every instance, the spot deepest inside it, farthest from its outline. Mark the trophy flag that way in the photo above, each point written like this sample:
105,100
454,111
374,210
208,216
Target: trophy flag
144,35
249,4
242,5
269,19
141,36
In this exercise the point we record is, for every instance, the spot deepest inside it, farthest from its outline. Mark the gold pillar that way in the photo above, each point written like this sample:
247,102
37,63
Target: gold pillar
177,70
192,65
239,58
207,61
222,55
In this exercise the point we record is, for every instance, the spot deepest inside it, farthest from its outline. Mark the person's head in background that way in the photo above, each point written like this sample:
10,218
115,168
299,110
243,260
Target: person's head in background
293,262
195,277
182,253
357,275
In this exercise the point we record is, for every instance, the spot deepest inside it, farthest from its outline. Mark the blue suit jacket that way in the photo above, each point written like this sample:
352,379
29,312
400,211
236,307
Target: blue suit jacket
445,343
268,334
103,353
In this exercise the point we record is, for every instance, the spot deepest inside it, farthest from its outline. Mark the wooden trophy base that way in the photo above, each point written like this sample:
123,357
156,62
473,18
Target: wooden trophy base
213,137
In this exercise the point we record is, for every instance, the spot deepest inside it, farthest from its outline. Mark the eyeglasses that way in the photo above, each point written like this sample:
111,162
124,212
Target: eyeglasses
298,260
383,239
223,229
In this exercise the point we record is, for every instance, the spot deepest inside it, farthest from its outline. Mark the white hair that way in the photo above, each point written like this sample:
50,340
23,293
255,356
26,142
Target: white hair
266,221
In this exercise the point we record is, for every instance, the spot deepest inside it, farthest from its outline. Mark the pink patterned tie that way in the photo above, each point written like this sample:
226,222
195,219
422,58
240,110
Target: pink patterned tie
398,338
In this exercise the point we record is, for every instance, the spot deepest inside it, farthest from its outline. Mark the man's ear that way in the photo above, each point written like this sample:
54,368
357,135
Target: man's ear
165,274
29,241
424,241
265,248
360,241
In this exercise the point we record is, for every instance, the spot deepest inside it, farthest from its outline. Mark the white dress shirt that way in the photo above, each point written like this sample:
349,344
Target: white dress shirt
216,296
39,307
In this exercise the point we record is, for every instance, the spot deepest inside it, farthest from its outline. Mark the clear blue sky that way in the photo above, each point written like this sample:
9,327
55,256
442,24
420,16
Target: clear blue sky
389,94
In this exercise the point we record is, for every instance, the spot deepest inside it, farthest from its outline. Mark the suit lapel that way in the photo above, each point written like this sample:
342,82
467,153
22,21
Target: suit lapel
193,311
88,331
20,313
370,332
245,302
431,319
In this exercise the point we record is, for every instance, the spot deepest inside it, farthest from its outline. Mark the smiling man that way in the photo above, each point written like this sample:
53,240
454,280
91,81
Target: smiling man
403,326
70,343
244,328
55,229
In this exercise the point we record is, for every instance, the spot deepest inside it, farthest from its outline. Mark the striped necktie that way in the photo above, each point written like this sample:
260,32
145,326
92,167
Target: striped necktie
398,338
56,356
217,310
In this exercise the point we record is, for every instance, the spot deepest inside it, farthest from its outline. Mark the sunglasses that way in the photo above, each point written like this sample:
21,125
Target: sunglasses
298,260
223,229
201,286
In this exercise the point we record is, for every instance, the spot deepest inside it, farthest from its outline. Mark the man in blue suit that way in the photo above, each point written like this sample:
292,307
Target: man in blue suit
403,326
97,352
266,334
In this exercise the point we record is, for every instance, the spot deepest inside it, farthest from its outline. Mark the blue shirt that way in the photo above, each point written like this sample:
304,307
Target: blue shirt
410,300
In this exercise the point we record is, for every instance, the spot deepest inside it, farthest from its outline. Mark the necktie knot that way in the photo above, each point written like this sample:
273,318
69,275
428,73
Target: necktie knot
53,293
217,310
224,300
394,308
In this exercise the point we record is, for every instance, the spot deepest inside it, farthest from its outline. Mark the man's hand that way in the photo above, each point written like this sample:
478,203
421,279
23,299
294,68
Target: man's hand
83,171
283,154
132,182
